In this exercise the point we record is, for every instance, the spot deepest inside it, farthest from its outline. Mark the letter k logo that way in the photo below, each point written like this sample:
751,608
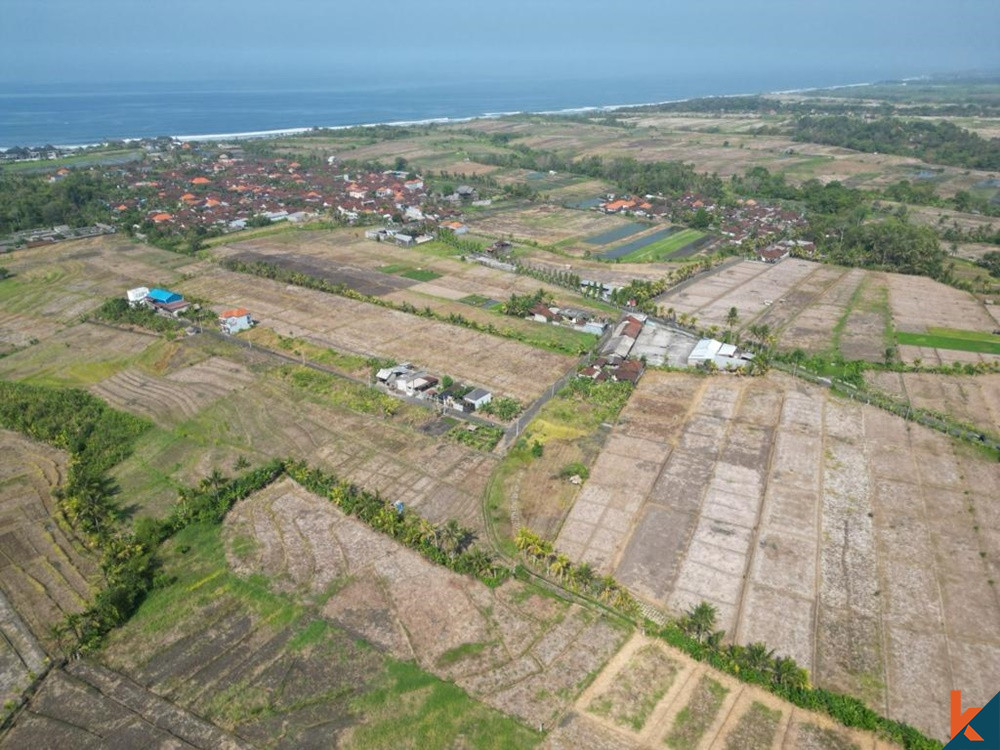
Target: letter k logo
960,721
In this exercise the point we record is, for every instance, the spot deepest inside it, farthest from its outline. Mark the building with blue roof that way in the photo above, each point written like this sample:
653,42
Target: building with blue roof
164,296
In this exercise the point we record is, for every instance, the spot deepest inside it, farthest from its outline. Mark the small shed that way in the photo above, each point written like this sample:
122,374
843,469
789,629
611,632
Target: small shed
477,398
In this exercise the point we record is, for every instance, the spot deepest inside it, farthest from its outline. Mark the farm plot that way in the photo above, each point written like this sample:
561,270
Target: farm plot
79,356
769,496
272,417
373,283
686,705
975,400
178,396
342,255
509,648
503,366
84,705
811,306
269,668
618,233
17,330
545,224
920,304
64,281
660,245
44,576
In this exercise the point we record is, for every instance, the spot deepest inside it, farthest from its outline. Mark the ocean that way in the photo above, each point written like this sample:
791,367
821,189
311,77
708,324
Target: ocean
35,115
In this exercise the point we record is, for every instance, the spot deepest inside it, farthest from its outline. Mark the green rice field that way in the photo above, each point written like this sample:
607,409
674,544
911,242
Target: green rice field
952,338
660,246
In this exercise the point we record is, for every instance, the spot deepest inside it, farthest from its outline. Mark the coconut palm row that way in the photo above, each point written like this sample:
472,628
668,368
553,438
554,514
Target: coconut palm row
699,623
578,577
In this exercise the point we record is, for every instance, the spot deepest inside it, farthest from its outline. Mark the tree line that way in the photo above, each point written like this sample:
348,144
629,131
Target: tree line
940,142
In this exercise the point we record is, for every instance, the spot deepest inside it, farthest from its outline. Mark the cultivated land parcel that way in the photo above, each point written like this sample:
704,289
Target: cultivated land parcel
838,533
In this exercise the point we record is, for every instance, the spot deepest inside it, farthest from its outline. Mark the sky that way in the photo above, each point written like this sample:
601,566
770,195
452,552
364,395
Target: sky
120,41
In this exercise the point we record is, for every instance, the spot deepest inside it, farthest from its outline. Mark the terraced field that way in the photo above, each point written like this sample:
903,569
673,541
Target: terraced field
806,304
63,281
827,308
79,355
178,396
837,534
514,651
270,417
85,705
43,574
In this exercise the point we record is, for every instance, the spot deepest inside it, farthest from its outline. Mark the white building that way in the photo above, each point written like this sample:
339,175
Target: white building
478,397
137,296
234,321
723,356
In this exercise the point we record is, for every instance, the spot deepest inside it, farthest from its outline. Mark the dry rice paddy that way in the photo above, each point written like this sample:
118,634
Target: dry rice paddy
503,366
874,539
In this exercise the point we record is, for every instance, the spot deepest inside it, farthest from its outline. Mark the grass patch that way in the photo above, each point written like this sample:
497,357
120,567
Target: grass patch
421,274
457,654
345,394
694,719
637,689
477,300
200,577
313,632
950,338
481,438
411,708
755,730
354,365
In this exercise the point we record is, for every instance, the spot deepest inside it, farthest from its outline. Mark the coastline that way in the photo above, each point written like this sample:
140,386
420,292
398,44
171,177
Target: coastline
272,133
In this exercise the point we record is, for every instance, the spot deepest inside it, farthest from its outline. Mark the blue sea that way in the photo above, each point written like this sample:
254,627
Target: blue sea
93,113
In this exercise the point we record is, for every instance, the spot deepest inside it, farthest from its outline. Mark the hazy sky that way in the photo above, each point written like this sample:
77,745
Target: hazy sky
58,41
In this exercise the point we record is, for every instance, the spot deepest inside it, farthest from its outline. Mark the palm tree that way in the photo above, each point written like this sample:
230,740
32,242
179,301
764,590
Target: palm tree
583,575
700,620
560,566
481,562
789,674
90,505
732,318
214,482
758,656
453,538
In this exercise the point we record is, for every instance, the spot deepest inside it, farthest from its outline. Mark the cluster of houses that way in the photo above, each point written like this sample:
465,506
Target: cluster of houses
416,383
613,362
226,190
571,317
172,304
407,235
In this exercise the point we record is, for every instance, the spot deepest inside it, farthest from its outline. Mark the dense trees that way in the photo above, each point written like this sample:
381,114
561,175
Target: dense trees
892,245
935,142
30,201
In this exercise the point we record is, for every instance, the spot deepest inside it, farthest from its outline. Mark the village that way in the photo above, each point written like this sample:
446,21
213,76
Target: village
744,220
